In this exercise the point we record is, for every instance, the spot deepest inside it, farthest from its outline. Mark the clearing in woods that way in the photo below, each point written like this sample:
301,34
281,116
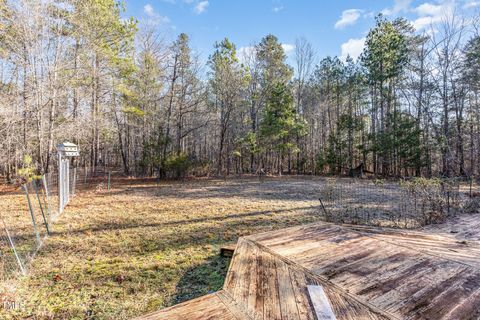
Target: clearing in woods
145,245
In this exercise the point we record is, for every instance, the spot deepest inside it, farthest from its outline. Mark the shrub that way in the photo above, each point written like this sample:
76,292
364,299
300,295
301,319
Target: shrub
178,164
472,205
28,171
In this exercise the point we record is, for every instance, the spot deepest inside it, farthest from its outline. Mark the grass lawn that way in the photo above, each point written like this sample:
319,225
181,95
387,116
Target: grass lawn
143,246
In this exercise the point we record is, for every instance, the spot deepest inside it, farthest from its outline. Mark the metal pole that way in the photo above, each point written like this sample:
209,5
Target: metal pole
31,213
47,196
60,184
67,181
41,207
15,253
74,180
109,180
324,210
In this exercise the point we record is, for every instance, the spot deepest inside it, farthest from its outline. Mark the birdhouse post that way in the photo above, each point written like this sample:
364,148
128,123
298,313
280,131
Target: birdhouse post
65,151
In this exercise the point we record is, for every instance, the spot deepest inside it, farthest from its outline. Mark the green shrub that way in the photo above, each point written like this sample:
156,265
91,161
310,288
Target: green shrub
177,164
28,171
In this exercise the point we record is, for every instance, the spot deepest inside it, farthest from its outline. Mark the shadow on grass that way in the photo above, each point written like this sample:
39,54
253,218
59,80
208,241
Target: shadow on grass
287,188
129,225
217,231
202,279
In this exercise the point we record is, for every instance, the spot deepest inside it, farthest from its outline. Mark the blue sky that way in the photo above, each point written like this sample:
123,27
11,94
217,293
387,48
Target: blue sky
333,27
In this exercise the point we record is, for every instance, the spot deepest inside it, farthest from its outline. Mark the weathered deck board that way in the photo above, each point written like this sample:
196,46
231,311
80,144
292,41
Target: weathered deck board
209,307
409,274
366,273
461,227
281,288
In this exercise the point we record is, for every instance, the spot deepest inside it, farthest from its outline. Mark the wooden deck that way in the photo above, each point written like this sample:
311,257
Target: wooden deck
463,227
366,273
408,274
216,306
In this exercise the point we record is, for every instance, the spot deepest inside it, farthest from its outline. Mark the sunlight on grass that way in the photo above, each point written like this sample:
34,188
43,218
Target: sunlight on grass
144,246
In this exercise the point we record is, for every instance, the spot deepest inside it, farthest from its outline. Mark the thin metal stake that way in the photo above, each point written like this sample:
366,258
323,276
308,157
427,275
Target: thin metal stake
323,207
67,182
109,180
41,207
17,257
74,184
47,196
60,184
31,213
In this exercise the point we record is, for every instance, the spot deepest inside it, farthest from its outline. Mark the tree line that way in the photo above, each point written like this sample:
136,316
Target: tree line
75,70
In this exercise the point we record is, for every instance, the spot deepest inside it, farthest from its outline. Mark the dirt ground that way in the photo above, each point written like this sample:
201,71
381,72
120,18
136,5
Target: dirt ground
145,245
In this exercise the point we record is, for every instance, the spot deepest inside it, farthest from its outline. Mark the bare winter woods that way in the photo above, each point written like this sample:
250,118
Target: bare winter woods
77,70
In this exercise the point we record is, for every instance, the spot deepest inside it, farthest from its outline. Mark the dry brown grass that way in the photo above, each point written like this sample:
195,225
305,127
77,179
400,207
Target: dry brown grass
143,246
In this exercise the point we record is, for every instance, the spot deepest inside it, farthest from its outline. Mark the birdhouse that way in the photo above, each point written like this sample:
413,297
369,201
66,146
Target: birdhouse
68,149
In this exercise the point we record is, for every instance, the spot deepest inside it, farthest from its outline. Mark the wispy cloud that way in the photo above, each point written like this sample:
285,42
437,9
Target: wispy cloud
153,17
288,48
348,18
429,13
245,53
352,48
277,9
471,4
148,9
400,6
201,7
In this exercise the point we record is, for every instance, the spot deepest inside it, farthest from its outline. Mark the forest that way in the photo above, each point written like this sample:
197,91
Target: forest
79,71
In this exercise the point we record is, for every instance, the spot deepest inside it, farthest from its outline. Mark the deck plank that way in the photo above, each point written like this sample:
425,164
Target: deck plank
366,273
288,303
203,308
409,274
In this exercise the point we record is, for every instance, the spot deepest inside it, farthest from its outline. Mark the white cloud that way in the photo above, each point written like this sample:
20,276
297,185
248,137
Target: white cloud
288,48
428,9
471,4
245,53
429,13
153,17
277,9
246,50
399,6
352,48
348,17
148,9
201,7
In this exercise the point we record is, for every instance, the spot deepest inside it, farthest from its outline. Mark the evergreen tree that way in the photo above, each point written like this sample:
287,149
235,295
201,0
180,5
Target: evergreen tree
281,123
